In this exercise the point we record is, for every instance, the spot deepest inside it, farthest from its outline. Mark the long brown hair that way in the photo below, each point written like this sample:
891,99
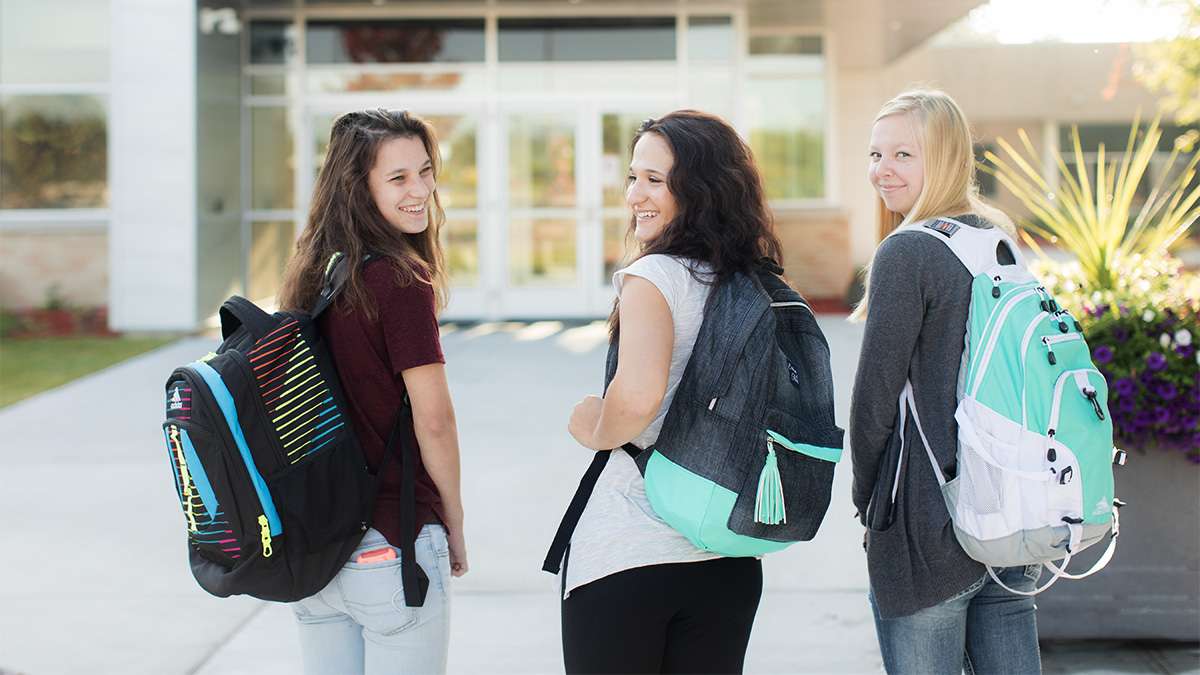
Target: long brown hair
343,216
722,217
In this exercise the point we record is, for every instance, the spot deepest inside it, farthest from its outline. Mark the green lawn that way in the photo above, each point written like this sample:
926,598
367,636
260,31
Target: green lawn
29,366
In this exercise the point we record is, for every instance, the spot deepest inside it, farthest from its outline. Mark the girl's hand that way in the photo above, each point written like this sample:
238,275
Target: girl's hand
458,552
584,418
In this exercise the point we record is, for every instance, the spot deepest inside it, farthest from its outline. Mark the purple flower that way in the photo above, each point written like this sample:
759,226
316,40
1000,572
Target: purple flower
1156,361
1121,333
1102,354
1166,391
1185,351
1125,387
1126,405
1161,415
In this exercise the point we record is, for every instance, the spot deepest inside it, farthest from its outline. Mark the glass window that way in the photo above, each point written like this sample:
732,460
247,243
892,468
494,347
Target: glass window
54,41
710,38
53,152
794,45
270,42
272,166
271,244
460,241
542,251
405,41
588,39
786,111
541,161
351,79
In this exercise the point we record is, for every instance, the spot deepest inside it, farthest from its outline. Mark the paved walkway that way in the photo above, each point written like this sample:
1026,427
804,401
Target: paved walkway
95,575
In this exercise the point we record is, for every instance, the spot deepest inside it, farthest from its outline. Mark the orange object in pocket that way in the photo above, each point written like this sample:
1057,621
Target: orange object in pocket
376,555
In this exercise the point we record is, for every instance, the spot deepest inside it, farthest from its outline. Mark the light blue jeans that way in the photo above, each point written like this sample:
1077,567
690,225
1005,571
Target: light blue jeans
984,629
358,623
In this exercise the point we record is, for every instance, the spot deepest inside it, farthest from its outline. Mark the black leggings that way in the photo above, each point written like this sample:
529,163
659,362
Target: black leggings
676,618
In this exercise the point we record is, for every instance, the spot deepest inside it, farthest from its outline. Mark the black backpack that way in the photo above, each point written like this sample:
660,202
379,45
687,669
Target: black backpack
744,462
276,493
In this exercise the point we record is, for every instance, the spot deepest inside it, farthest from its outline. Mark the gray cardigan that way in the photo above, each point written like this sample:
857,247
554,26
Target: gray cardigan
916,325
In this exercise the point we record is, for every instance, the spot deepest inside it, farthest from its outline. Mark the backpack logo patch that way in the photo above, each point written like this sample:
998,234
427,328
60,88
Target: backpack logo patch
176,401
1102,508
945,227
793,375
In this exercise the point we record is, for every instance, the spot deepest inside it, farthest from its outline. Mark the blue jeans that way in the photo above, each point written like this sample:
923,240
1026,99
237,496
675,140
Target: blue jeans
358,623
985,629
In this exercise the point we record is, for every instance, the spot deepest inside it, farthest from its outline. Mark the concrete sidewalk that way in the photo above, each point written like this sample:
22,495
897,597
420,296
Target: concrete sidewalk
95,575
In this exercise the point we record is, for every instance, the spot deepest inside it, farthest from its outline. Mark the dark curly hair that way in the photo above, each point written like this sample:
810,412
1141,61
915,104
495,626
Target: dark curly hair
722,217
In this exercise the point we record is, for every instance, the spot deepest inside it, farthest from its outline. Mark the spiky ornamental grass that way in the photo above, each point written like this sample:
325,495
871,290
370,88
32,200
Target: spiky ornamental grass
1138,309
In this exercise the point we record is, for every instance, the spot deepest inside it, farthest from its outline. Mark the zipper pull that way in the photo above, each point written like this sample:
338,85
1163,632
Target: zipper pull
1050,352
265,534
1044,303
995,287
1062,325
1095,401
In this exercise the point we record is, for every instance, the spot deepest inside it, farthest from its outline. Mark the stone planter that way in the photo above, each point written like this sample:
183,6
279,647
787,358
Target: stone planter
1151,588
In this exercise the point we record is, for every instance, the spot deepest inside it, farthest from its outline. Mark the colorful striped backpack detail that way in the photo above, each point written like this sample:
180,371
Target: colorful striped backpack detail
275,491
1035,454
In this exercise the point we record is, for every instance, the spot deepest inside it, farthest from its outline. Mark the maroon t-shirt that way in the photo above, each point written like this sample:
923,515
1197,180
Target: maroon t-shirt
370,356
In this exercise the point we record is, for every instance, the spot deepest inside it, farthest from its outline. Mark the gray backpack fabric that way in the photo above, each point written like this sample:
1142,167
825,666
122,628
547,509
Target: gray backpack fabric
744,462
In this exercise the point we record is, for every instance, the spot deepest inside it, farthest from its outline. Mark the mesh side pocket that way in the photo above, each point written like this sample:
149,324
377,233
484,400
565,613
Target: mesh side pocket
982,484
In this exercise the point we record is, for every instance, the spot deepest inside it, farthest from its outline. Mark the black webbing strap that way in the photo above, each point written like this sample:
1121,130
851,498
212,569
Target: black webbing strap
412,577
562,538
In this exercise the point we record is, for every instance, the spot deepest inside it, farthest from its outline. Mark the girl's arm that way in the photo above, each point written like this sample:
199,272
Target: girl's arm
644,362
896,312
437,436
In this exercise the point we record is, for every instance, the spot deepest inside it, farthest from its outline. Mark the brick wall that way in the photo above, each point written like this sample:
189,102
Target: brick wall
816,251
32,262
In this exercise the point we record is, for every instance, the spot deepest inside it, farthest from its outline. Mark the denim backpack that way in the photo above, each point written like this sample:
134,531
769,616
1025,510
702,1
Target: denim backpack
274,488
744,462
1035,439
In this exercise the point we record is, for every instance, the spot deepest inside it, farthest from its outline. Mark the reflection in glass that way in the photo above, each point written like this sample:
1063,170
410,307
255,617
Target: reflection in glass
460,241
271,159
787,134
403,41
269,42
53,152
541,251
268,85
541,162
588,39
271,245
710,38
54,41
458,183
785,44
618,242
324,80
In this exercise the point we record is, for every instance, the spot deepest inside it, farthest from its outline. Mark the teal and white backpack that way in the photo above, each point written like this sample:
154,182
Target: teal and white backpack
1035,451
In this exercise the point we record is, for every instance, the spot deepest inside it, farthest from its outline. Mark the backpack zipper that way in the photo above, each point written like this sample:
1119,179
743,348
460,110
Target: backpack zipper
1025,340
995,337
214,386
1056,407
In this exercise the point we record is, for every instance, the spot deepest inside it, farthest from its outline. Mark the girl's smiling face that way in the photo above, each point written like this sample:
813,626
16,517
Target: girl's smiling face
896,169
401,183
648,195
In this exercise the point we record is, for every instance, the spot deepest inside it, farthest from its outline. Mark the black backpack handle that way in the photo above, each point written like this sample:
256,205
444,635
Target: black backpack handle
237,312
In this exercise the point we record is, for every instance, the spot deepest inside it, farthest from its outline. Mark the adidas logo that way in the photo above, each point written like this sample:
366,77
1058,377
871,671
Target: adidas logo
1102,507
176,402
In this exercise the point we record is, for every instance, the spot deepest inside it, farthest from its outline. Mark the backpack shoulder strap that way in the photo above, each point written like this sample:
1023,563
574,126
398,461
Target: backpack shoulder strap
337,272
975,247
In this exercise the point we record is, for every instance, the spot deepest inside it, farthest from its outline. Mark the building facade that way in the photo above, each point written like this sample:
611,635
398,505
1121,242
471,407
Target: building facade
158,155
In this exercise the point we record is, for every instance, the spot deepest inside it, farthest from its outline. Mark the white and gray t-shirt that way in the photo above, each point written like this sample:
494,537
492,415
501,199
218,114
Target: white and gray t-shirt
619,530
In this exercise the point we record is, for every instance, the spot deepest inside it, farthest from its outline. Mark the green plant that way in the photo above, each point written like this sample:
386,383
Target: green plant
54,298
1096,218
